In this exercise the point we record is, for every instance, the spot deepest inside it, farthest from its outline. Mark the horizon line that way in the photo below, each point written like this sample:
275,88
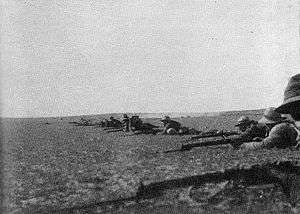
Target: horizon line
110,113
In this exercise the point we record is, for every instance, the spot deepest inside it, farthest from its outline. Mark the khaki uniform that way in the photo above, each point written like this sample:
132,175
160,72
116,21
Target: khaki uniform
281,136
255,130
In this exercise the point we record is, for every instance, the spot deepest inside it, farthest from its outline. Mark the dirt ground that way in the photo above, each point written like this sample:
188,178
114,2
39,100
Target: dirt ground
51,166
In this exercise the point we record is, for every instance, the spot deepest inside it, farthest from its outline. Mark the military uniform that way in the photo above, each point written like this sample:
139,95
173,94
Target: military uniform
254,130
291,103
170,124
136,123
281,136
282,133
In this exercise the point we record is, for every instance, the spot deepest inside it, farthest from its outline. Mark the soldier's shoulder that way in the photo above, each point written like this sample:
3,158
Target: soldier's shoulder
282,127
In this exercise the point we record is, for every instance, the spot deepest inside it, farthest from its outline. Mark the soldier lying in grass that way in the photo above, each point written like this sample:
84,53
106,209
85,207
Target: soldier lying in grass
172,127
284,134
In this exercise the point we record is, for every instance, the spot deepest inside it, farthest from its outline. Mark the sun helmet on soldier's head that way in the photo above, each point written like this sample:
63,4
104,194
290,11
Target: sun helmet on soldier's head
125,115
243,120
291,100
271,116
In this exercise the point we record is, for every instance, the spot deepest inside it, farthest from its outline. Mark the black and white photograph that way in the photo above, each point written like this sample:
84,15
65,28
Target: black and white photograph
150,106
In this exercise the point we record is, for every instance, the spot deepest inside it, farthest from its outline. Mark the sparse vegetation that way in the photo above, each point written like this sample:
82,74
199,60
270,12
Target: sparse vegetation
50,165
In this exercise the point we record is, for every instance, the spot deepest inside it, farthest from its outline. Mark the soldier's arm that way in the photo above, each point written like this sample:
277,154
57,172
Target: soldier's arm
280,136
246,136
252,145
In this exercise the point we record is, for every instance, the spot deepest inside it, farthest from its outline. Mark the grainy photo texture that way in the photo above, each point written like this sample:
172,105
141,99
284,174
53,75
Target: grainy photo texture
173,106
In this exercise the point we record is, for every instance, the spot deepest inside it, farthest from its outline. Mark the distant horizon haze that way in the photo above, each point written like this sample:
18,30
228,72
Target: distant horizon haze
83,57
149,114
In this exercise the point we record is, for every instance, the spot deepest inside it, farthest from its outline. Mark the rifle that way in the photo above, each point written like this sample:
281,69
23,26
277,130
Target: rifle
146,131
224,141
267,173
214,134
187,147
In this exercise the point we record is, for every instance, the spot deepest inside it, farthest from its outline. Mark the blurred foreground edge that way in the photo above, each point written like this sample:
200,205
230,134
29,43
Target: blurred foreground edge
282,174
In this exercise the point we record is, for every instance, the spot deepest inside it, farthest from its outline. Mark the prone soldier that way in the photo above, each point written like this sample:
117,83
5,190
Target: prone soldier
244,123
139,127
170,126
114,123
135,123
284,134
251,130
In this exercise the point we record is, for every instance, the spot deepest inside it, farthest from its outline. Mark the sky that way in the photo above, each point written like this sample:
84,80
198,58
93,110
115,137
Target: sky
75,57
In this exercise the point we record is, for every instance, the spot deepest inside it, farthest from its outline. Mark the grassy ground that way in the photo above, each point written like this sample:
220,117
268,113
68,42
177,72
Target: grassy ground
49,165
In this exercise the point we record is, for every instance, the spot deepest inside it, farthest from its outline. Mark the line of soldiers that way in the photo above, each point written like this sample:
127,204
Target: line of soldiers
272,130
136,125
127,124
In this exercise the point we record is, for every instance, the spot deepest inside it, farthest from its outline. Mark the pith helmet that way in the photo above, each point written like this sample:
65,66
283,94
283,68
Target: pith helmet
291,95
271,116
243,120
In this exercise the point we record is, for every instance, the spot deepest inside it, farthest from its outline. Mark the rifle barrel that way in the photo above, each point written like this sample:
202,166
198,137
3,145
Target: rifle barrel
206,143
213,135
187,147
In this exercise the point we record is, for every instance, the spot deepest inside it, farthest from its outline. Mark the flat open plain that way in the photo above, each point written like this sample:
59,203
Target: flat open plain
51,166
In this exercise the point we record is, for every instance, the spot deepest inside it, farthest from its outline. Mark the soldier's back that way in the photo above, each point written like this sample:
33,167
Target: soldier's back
282,135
